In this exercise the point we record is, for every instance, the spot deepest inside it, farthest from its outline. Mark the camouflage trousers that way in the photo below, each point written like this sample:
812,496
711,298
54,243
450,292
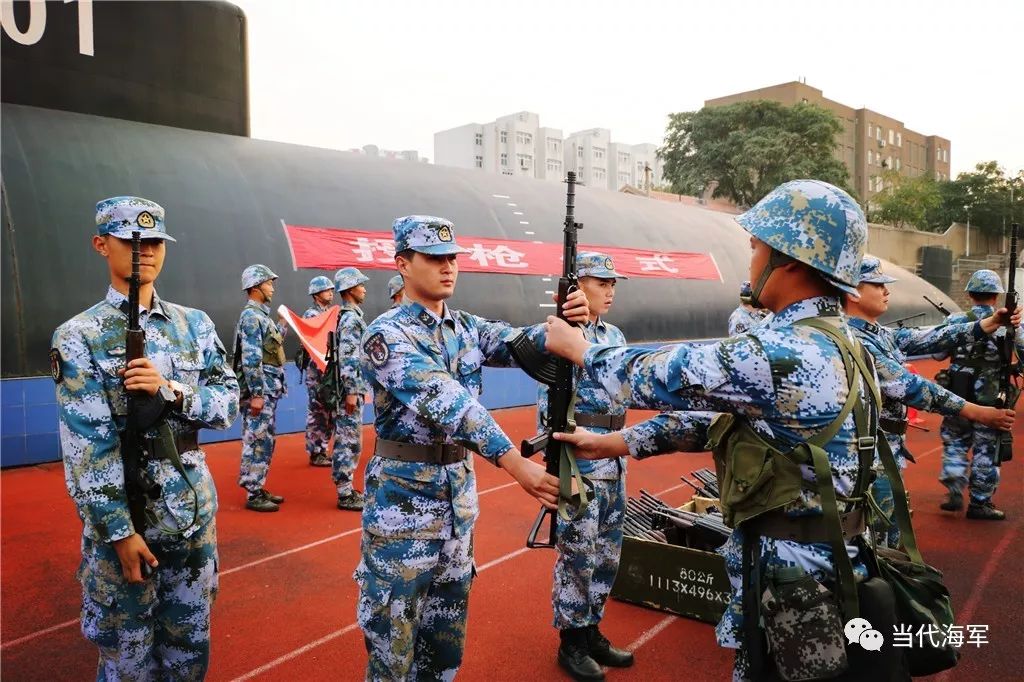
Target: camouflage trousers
348,444
413,598
319,419
257,444
588,557
958,437
160,628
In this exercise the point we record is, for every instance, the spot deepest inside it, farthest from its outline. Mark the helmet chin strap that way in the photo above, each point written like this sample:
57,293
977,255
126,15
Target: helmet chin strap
776,260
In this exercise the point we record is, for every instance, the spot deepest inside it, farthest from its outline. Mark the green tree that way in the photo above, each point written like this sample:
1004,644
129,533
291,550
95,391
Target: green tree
750,148
984,195
906,201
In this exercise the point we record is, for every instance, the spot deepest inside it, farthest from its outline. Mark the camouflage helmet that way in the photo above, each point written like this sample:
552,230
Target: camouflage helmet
319,283
871,272
985,282
815,223
395,284
255,275
346,278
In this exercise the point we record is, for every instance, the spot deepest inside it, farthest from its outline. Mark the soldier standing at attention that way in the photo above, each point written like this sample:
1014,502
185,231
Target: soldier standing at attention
259,363
395,288
348,429
424,362
783,387
320,417
974,375
156,626
746,316
589,546
900,387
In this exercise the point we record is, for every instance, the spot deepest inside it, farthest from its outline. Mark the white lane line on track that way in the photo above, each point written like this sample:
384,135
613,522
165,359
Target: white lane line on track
652,632
229,571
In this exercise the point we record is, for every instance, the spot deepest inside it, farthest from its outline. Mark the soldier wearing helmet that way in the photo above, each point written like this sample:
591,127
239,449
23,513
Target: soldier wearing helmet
974,374
348,418
396,287
320,415
259,364
900,387
787,386
746,316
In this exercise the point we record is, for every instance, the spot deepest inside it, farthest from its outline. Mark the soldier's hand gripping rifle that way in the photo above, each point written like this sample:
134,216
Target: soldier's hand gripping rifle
938,306
560,377
1010,374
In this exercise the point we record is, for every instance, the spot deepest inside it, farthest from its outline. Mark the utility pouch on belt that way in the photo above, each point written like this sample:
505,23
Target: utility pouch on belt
961,382
804,629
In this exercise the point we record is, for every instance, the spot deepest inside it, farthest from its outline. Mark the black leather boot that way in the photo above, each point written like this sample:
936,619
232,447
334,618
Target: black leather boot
573,656
602,651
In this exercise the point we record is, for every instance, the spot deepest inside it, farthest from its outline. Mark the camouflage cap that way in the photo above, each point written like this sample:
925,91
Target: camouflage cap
985,282
594,264
425,234
120,216
815,223
395,284
255,275
319,283
346,278
871,272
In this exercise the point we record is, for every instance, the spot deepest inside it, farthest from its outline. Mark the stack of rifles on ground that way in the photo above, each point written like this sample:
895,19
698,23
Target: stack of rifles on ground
649,518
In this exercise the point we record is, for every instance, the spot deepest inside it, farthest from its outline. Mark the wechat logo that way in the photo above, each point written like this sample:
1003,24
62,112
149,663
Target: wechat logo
859,631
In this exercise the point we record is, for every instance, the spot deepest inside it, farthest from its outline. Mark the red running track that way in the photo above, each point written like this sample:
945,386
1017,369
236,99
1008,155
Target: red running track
286,608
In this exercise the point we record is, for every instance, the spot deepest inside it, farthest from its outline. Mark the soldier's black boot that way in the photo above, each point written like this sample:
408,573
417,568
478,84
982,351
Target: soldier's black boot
602,651
260,502
984,511
276,499
953,502
351,502
574,656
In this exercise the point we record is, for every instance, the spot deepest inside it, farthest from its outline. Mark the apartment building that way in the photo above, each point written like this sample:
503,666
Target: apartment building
870,143
404,155
517,145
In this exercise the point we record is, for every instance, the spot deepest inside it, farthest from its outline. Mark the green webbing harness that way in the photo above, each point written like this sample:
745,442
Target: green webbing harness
569,471
164,443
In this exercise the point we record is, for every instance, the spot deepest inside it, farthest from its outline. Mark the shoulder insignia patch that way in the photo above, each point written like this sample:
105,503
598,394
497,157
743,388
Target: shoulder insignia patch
55,366
377,349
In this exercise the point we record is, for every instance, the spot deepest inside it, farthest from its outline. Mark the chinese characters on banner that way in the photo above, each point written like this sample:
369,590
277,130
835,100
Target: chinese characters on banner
328,249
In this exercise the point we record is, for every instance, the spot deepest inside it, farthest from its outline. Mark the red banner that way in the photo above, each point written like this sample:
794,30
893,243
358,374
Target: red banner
325,248
312,331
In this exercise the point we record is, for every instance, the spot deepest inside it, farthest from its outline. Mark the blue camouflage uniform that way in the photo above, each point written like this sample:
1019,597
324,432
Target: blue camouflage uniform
589,546
319,415
823,227
979,359
743,319
259,361
159,629
348,428
901,387
417,551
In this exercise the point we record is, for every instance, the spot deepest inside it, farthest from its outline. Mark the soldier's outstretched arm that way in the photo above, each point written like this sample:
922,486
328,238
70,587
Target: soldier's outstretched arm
89,439
665,433
494,334
214,404
944,338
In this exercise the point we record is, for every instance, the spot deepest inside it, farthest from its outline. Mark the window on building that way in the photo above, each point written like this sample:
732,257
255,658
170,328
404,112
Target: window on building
504,159
479,139
524,138
599,174
598,152
504,137
623,158
899,139
871,130
945,155
554,166
892,137
525,160
878,133
899,164
579,152
553,145
479,162
871,157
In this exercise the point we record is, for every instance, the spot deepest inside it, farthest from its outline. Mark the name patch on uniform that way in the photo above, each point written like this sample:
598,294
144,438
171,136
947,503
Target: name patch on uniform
377,349
55,368
145,220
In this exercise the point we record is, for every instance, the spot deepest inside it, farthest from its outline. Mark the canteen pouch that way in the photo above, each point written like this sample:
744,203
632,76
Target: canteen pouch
961,382
803,627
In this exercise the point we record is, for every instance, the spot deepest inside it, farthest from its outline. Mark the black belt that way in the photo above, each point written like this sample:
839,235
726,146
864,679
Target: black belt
437,453
183,442
896,427
615,422
804,529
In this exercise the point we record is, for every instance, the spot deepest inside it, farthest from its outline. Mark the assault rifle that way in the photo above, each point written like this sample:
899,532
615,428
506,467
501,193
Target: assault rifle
938,306
1010,376
330,386
144,412
560,377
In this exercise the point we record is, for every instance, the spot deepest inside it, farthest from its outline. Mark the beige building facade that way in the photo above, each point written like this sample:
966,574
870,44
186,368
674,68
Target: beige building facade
870,143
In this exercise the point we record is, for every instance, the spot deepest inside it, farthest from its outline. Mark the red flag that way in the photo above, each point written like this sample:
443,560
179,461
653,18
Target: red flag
312,331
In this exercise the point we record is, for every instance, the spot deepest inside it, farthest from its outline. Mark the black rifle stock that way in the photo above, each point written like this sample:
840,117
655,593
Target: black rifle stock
938,306
558,374
1009,378
144,411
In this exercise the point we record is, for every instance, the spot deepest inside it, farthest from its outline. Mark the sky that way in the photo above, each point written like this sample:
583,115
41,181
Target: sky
342,74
